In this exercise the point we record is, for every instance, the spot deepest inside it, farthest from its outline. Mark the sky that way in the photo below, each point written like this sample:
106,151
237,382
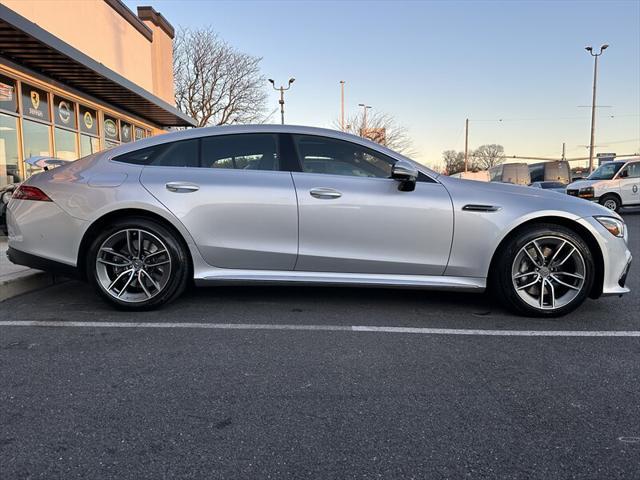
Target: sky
517,69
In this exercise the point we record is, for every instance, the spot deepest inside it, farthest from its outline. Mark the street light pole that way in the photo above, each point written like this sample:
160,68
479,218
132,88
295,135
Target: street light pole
364,120
342,105
282,90
466,144
593,101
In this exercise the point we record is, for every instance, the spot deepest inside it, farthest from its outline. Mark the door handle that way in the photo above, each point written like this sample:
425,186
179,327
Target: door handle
325,193
182,187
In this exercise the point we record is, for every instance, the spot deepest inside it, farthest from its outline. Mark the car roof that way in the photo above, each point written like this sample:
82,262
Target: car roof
261,128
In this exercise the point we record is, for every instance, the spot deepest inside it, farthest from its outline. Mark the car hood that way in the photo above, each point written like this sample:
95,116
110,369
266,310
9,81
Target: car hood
584,184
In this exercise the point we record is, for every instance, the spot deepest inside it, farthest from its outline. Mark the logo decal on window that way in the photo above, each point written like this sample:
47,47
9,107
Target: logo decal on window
64,112
88,120
35,99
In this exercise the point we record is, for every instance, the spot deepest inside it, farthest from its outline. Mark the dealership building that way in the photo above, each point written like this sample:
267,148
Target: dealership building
79,76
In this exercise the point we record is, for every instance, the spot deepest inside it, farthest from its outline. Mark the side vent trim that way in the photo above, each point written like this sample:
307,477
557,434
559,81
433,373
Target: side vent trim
481,208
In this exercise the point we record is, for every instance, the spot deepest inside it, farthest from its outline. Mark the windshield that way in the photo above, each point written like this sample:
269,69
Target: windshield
606,171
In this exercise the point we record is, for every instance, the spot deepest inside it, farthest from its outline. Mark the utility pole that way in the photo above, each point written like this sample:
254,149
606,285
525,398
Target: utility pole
282,90
564,151
593,101
364,120
466,144
342,105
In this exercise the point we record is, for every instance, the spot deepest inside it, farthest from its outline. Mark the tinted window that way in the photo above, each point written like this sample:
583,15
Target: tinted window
256,151
35,102
337,157
174,154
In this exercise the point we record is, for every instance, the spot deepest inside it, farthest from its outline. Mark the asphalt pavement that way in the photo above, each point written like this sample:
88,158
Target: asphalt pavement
168,402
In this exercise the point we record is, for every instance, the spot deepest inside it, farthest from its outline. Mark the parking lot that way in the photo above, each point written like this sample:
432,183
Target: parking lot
275,382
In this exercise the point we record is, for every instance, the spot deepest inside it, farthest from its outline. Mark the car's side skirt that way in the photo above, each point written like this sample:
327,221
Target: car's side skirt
224,276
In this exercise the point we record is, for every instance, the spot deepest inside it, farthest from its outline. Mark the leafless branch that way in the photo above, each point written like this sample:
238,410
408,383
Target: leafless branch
215,83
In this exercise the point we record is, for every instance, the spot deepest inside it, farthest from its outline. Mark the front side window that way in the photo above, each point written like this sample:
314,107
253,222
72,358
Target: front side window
337,157
254,151
632,170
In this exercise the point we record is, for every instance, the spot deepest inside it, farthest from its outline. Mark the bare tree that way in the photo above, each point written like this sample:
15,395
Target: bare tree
453,161
215,83
381,128
487,156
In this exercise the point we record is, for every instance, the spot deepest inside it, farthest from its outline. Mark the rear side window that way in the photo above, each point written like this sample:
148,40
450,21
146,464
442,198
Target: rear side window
175,154
254,151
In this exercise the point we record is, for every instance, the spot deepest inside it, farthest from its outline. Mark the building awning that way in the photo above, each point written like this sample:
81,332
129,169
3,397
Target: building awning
27,44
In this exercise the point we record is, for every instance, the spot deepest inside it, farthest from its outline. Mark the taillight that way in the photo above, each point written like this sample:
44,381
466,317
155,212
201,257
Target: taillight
26,192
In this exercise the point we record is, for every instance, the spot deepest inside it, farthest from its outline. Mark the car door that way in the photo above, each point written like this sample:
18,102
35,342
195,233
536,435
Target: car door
354,219
235,200
630,183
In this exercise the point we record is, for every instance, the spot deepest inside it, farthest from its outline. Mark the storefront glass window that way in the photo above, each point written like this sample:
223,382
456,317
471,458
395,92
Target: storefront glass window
110,144
126,131
65,142
35,103
35,138
88,120
9,172
8,94
111,129
139,133
88,145
64,112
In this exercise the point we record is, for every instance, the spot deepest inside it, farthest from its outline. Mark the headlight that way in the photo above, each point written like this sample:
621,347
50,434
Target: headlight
615,226
586,192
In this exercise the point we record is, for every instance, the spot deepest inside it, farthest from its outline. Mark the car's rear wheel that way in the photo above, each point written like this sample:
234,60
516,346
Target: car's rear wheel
544,271
137,264
611,202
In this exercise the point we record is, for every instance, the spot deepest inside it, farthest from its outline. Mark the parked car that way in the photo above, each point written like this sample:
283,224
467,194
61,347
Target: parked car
285,204
6,192
516,173
614,184
558,187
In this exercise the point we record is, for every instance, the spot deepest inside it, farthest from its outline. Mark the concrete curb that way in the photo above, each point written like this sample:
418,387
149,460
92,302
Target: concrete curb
26,281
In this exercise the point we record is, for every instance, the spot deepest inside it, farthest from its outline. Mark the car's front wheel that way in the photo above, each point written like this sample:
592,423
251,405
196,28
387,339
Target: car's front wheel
544,271
137,264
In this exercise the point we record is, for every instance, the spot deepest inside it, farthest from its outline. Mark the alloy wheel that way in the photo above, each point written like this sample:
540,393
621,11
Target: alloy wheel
610,204
133,265
548,272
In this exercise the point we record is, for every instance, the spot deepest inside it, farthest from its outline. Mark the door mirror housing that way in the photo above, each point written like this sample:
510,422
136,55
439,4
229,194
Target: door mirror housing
406,174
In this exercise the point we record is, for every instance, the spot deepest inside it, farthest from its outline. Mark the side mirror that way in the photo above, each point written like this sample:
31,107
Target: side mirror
624,174
406,174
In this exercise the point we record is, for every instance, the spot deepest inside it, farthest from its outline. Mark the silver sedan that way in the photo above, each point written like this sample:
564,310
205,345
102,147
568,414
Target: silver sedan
285,204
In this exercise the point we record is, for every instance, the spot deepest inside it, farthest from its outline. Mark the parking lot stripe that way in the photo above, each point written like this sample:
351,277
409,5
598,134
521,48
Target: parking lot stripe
331,328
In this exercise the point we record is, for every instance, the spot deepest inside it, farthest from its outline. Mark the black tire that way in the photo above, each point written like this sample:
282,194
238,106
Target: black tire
502,281
609,200
177,251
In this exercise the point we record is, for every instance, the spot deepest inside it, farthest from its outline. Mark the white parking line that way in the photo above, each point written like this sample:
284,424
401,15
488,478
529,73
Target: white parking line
330,328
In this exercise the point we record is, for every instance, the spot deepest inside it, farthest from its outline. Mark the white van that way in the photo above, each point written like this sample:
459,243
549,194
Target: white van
516,173
614,184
